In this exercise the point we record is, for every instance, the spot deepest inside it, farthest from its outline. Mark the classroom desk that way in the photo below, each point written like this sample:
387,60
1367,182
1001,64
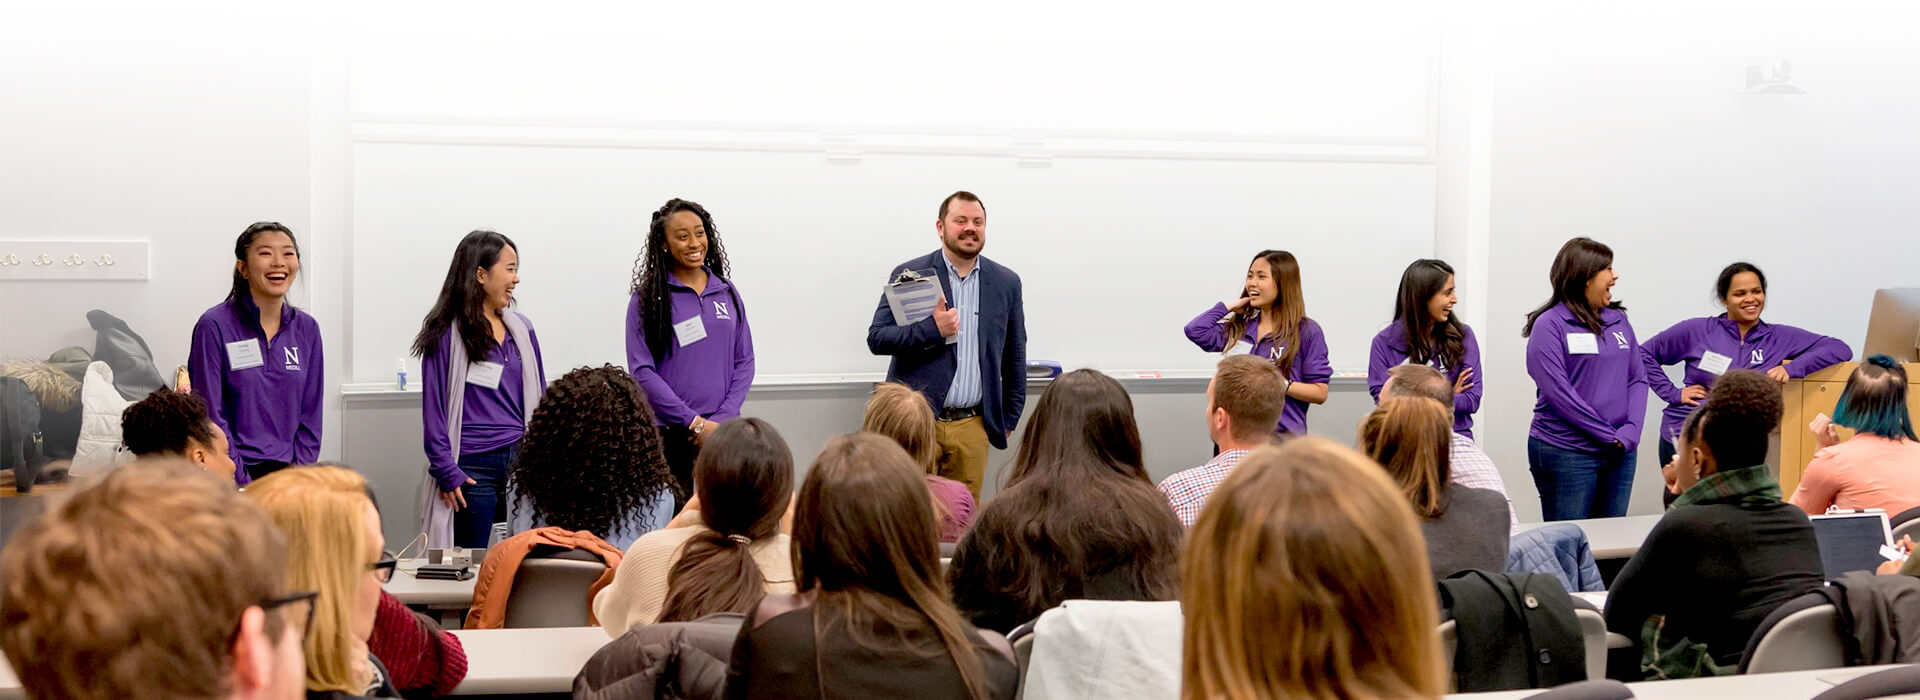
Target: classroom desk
1611,538
429,593
1795,685
545,660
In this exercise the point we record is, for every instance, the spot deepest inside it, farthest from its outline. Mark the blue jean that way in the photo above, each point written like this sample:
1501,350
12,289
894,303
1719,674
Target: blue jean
473,525
1576,484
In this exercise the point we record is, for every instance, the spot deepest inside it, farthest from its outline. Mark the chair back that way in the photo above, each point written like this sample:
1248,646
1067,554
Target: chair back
1894,682
1022,639
552,591
1803,634
1906,522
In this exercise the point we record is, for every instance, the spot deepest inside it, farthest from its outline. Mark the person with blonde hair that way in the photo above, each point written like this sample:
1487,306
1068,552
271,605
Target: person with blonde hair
159,582
1465,528
1304,578
898,412
333,547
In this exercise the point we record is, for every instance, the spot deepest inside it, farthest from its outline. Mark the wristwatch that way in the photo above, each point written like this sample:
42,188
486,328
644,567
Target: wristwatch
699,425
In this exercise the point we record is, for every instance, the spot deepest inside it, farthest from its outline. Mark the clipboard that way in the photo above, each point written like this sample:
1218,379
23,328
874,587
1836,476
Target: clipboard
913,296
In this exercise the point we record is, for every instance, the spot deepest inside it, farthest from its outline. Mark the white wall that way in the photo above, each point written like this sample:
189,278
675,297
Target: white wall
1632,129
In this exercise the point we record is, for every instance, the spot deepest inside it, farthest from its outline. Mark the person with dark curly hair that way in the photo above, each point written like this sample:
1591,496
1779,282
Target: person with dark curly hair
592,460
175,424
1727,554
481,378
687,339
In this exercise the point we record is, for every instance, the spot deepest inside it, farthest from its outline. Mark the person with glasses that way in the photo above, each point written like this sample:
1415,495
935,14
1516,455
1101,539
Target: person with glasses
334,546
208,614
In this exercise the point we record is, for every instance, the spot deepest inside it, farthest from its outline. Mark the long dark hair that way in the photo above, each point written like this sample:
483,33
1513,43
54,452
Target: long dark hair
1289,309
1575,265
865,544
592,458
1078,507
240,246
1427,339
462,299
744,477
655,264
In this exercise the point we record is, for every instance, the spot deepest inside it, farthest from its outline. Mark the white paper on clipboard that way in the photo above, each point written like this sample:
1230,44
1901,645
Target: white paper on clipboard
913,296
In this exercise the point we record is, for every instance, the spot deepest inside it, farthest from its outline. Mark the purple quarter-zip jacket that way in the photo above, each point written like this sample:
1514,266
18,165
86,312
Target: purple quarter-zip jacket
1586,401
1764,348
1390,349
708,378
1309,364
270,412
489,418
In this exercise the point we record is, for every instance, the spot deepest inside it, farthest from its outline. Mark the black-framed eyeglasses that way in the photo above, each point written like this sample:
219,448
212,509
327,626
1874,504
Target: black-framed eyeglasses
293,602
384,568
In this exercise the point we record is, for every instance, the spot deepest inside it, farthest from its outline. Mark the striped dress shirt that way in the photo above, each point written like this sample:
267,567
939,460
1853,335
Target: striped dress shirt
965,391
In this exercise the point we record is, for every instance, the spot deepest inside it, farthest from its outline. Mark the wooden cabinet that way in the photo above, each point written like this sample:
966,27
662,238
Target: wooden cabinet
1816,394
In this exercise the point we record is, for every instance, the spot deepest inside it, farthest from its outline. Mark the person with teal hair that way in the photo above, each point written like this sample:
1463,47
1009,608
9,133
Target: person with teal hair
1880,466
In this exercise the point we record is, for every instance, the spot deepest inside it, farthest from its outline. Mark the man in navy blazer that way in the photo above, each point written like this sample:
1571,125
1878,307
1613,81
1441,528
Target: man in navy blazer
977,382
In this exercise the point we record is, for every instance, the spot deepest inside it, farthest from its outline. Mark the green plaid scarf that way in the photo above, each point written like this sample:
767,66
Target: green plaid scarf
1751,485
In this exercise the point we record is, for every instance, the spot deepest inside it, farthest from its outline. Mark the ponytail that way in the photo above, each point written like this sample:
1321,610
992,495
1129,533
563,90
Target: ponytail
744,479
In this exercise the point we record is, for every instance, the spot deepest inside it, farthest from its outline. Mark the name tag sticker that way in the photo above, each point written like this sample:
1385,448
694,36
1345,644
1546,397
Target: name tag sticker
1240,348
690,331
245,354
485,375
1582,344
1715,363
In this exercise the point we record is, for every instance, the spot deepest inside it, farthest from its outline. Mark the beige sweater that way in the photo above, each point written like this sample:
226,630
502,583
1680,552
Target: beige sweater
639,588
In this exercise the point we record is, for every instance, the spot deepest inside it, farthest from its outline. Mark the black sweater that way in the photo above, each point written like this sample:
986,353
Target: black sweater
1715,570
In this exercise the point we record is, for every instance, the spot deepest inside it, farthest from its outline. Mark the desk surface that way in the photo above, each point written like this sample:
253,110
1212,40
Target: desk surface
1796,685
432,593
1611,538
526,660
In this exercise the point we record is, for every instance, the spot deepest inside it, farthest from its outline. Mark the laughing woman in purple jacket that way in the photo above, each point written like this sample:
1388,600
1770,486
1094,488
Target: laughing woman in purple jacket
481,378
256,359
1426,331
1710,345
1269,320
687,339
1591,388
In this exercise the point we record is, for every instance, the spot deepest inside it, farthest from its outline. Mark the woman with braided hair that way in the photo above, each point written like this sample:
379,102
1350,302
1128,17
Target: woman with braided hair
687,340
591,460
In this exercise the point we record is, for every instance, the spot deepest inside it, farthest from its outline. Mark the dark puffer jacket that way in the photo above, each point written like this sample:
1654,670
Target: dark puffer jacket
666,661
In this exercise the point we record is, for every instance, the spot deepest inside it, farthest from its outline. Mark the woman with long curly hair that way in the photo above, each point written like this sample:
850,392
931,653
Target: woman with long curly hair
687,339
592,460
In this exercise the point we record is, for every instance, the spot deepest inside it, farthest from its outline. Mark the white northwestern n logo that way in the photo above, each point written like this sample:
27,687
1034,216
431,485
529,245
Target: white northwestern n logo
293,358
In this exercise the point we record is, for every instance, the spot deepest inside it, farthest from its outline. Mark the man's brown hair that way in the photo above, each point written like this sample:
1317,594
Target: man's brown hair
133,588
1422,381
1253,394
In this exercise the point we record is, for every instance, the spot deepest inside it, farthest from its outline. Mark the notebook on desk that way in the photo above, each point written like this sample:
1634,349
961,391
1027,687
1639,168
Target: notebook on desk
1851,541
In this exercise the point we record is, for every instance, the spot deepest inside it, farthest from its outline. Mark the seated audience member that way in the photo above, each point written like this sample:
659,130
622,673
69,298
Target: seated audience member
1468,466
1244,401
175,424
897,411
1408,435
1078,517
159,582
422,658
592,460
728,553
872,620
1304,578
1727,553
1880,466
333,547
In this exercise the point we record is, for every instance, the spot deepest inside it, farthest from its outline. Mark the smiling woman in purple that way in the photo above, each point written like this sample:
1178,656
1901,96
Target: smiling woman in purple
1710,345
1591,389
1426,331
481,379
687,339
257,360
1269,320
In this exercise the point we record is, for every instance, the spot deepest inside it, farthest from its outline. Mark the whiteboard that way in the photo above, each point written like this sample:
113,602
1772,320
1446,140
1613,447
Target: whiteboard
1116,254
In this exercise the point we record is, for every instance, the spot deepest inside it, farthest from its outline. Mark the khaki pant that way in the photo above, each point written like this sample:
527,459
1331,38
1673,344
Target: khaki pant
963,451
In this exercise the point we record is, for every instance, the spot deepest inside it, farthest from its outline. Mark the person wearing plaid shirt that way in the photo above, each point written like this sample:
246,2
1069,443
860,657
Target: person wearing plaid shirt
1471,467
1243,402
